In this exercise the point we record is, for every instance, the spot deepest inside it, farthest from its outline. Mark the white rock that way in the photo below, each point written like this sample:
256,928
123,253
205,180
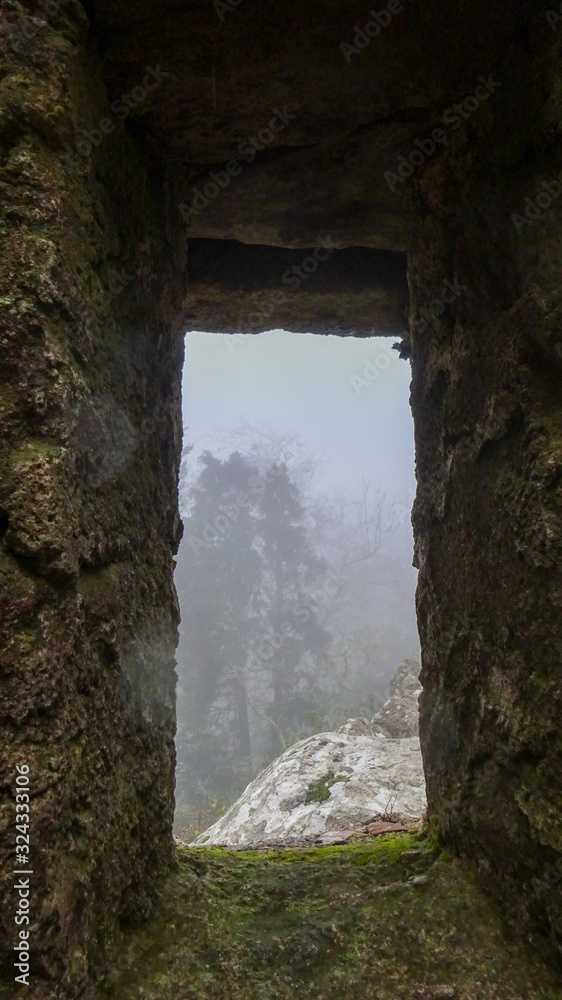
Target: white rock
378,773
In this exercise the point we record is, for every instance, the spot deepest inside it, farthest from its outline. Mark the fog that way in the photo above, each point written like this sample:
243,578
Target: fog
294,574
314,386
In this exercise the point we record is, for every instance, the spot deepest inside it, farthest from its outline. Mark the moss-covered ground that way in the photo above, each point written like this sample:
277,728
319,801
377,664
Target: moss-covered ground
390,919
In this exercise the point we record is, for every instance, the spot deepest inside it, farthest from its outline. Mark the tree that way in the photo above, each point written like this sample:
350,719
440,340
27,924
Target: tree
218,582
291,569
244,571
296,609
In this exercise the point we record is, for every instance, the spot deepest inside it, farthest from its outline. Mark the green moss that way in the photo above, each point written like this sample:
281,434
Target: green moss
430,831
389,918
34,448
319,790
389,847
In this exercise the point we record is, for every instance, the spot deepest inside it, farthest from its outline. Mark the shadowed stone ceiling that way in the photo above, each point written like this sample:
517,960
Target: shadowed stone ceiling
347,113
238,288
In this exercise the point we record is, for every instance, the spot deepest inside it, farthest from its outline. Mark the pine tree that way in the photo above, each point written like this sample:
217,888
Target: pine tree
218,581
291,570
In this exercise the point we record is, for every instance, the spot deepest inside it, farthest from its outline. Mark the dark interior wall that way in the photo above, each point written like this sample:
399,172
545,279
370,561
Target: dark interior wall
91,342
486,397
251,267
93,279
247,288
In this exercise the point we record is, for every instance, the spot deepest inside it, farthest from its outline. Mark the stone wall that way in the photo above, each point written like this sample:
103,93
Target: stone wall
486,396
242,288
91,282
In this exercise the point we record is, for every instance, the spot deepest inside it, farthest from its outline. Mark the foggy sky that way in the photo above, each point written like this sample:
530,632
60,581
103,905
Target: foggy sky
353,413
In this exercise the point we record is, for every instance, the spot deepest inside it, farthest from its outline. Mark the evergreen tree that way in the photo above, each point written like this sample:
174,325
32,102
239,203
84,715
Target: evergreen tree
218,581
276,642
291,570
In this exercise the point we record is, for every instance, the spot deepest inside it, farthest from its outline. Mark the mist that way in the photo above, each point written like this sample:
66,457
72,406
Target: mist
312,385
294,574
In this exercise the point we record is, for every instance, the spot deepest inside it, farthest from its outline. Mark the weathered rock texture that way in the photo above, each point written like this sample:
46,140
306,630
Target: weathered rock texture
400,715
486,395
91,366
91,345
237,288
331,781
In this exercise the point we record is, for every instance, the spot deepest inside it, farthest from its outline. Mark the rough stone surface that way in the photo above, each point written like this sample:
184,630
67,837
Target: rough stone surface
486,395
399,716
332,781
388,920
91,352
92,282
241,289
346,120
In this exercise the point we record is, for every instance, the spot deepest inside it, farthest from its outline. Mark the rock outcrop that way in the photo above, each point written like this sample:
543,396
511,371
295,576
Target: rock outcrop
329,782
400,715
